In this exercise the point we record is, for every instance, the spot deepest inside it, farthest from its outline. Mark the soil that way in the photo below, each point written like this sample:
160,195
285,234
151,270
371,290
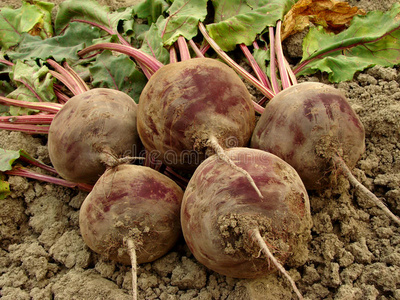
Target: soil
354,252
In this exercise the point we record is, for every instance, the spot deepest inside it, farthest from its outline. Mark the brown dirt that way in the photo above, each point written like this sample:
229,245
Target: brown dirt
354,251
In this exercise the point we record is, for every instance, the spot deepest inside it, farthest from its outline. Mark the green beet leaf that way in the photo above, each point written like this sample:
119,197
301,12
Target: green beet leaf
119,73
6,86
34,19
8,161
370,40
8,157
92,11
238,21
152,42
183,19
4,188
62,47
262,58
37,78
5,89
151,9
121,21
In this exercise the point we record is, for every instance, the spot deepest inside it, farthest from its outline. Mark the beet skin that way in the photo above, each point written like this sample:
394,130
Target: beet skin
307,125
132,202
220,208
186,103
92,128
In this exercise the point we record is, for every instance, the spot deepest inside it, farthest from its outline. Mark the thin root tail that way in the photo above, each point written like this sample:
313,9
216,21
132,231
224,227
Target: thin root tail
132,253
220,152
338,161
257,238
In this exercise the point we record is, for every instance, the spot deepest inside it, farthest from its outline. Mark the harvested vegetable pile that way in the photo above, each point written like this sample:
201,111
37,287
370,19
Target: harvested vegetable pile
52,54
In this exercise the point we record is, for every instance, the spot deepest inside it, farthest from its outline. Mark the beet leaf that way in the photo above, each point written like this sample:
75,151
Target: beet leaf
34,19
240,23
61,47
119,73
184,16
151,9
34,84
6,86
90,10
8,157
5,89
152,43
4,187
370,40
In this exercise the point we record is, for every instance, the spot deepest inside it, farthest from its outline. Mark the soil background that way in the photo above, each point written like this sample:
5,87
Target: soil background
354,251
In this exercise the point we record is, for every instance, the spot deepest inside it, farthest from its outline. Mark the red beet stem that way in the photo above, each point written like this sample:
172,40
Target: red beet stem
263,89
148,61
26,128
43,106
183,48
39,119
30,174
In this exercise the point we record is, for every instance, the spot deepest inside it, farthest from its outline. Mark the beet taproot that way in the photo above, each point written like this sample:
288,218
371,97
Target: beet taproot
132,216
90,131
313,127
306,125
186,105
131,201
221,213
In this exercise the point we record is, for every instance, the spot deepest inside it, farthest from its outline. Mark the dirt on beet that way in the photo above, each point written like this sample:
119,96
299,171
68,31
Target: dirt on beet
354,252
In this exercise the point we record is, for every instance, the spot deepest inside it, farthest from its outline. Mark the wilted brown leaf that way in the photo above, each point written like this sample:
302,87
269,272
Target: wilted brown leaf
331,14
36,30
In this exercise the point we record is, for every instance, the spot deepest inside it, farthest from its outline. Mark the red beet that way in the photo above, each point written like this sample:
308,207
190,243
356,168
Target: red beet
92,130
222,214
306,125
132,202
188,108
132,216
313,128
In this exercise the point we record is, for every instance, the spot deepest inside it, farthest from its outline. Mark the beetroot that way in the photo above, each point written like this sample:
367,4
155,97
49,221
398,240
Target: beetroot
307,125
132,215
189,108
131,201
90,131
221,214
313,128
